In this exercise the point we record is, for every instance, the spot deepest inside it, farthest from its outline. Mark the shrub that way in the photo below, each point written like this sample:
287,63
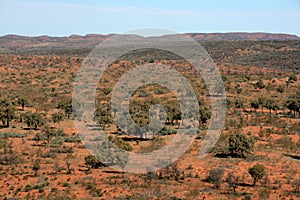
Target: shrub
60,132
40,137
247,197
264,193
41,190
96,192
257,172
65,184
36,166
65,149
292,78
190,167
240,145
73,139
122,144
92,162
215,176
296,185
232,181
160,90
259,84
27,188
13,135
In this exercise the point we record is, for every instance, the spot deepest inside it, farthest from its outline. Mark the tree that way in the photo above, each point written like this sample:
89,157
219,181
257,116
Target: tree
8,156
103,116
68,160
215,176
254,104
238,103
122,160
280,89
36,167
119,142
205,114
292,78
240,145
270,104
257,172
22,102
66,105
57,118
69,170
21,117
174,113
275,107
92,162
34,120
150,175
232,181
48,132
262,103
259,84
296,185
176,172
7,112
238,89
293,105
106,91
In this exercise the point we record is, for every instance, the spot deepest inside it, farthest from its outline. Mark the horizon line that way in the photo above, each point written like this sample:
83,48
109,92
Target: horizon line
115,33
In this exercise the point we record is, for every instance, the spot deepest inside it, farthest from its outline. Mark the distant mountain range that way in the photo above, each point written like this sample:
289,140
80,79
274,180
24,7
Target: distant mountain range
14,42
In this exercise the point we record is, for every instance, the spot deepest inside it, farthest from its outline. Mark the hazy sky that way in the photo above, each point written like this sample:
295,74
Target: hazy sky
62,18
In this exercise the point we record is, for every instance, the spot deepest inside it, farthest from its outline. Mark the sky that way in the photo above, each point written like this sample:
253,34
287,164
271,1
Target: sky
63,18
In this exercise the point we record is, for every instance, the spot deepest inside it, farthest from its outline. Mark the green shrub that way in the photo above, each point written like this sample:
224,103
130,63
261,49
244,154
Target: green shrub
40,137
121,143
96,192
240,145
28,188
65,184
13,135
41,190
257,172
89,186
72,139
92,162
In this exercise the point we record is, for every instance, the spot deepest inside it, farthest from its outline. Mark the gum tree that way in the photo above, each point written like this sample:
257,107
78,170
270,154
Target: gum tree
34,120
240,145
257,172
57,118
7,112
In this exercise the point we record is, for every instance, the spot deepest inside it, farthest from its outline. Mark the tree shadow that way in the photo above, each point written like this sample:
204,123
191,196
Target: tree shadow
113,172
3,126
128,139
296,157
245,184
227,155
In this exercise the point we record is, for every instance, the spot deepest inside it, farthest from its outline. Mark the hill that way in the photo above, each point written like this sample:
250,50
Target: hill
15,42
